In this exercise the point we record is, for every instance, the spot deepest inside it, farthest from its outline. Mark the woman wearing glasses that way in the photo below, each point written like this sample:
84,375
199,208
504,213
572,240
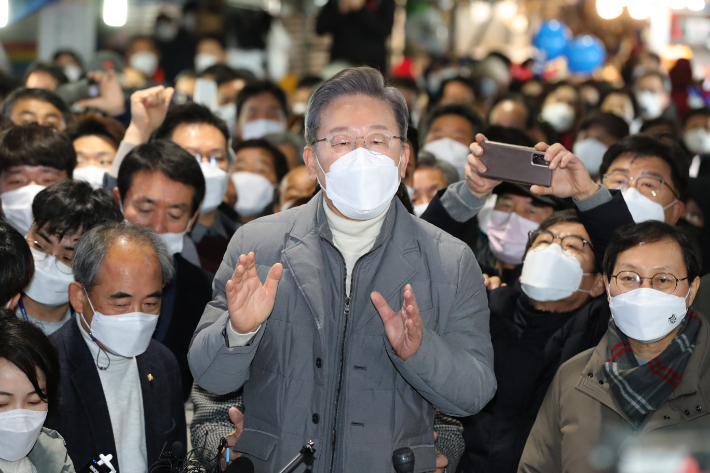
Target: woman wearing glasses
554,314
649,371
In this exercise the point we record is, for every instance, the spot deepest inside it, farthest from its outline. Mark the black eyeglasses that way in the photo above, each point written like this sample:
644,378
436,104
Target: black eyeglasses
629,280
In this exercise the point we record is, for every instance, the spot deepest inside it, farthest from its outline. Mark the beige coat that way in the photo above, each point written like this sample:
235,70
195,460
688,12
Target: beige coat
579,408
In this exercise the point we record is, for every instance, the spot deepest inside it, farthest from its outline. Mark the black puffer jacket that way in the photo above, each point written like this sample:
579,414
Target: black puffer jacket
528,348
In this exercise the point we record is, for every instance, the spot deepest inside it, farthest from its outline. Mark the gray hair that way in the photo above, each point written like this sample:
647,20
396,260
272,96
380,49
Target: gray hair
351,82
93,246
427,160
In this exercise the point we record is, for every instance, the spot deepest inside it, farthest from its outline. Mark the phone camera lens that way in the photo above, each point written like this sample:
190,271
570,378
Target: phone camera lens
539,159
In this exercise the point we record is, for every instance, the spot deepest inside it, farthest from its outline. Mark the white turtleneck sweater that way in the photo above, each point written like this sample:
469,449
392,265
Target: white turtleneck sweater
124,398
353,238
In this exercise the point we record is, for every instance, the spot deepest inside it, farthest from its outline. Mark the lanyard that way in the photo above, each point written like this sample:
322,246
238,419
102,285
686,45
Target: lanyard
26,317
23,311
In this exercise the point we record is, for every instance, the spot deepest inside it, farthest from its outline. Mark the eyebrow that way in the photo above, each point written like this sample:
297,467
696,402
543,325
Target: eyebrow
158,294
44,236
340,129
3,393
146,200
631,265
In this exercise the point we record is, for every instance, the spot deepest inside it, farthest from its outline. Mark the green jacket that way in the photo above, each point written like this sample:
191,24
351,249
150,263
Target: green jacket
49,455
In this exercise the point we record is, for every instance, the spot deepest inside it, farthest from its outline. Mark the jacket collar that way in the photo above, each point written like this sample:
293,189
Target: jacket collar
303,255
695,370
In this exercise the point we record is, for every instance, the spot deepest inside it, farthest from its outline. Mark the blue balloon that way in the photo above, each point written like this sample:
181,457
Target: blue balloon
585,54
552,38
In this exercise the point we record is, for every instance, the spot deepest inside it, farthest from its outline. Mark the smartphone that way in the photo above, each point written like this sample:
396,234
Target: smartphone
515,164
79,90
206,93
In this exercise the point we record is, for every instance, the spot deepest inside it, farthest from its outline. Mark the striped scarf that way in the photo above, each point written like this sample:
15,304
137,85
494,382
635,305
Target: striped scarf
642,389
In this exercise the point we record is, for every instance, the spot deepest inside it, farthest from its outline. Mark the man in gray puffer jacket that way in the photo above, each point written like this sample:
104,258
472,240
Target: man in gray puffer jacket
318,348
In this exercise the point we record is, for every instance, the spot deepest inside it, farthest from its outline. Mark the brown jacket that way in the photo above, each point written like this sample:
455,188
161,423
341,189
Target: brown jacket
579,408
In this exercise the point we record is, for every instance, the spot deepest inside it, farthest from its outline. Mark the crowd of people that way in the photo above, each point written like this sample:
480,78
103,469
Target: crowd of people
331,263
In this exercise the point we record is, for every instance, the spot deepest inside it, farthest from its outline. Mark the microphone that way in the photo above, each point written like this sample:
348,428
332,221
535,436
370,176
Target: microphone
403,460
177,449
240,465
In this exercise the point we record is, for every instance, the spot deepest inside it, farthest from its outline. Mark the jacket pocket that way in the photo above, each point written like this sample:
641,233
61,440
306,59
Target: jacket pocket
424,458
256,443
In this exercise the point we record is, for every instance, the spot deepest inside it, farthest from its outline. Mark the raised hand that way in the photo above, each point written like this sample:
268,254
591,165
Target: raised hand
237,418
148,110
110,99
480,186
570,177
248,301
403,328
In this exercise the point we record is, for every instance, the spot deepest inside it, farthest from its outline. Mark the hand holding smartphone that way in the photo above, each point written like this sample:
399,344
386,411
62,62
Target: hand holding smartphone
517,164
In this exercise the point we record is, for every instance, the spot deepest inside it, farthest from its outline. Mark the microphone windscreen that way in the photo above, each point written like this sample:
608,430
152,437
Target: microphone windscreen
240,465
403,460
177,449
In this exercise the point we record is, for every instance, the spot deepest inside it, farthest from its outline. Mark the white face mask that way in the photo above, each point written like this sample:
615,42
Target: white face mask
647,315
94,175
698,141
145,62
175,241
410,192
419,209
361,183
642,208
123,334
73,72
17,206
508,235
551,274
50,283
559,115
254,193
650,104
216,182
228,113
262,127
205,60
484,215
299,108
591,152
166,31
451,151
19,430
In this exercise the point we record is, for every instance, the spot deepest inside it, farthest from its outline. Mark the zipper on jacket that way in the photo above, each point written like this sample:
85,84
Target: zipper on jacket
346,311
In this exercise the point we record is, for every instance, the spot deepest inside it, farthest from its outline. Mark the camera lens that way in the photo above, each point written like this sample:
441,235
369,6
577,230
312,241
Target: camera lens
539,159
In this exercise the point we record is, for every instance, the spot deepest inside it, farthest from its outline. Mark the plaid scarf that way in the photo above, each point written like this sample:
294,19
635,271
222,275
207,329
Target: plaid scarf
642,389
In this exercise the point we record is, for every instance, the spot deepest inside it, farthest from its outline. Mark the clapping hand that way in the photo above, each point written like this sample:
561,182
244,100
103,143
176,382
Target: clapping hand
248,301
404,328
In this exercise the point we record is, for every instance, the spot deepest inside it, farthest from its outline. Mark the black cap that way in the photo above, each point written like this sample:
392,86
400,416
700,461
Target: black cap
556,203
